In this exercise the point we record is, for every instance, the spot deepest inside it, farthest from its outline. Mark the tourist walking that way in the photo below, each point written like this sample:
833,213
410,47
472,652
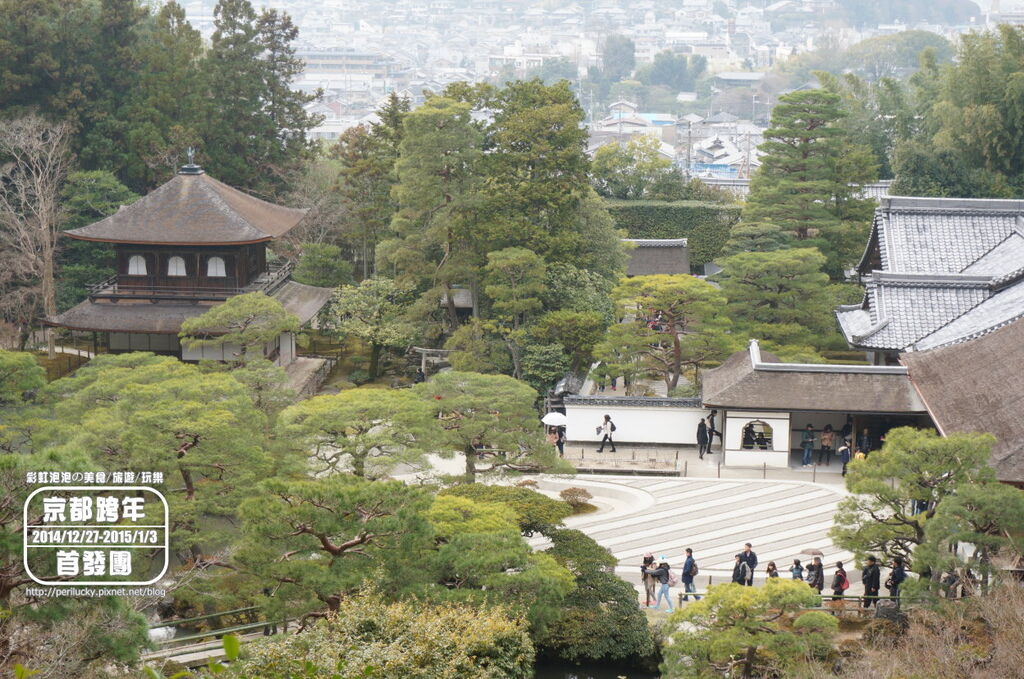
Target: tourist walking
650,584
712,430
740,571
816,574
828,438
840,583
663,574
771,571
896,577
796,570
844,454
606,428
871,577
807,443
703,440
687,576
749,558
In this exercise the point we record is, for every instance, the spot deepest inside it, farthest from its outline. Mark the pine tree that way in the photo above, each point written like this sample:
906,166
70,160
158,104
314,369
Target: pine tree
810,177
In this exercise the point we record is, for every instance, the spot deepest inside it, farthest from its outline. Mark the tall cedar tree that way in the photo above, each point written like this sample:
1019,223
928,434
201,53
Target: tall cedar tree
368,157
436,240
257,124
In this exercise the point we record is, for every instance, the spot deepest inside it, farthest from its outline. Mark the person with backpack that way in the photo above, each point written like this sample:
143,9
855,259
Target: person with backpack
607,428
816,574
840,583
690,571
666,578
796,570
740,571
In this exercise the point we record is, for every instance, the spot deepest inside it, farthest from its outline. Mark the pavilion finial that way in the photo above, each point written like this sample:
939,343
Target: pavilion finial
191,167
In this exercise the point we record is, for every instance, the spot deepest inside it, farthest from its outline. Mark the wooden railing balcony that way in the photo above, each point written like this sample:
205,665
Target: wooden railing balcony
268,281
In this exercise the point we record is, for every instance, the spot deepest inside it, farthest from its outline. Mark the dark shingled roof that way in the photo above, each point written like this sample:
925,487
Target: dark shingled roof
193,209
755,380
977,386
165,318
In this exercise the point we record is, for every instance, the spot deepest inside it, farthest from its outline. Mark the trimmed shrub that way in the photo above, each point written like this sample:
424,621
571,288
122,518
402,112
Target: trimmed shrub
706,225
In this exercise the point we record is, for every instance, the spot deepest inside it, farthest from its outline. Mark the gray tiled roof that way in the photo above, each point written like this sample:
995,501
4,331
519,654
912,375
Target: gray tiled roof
937,270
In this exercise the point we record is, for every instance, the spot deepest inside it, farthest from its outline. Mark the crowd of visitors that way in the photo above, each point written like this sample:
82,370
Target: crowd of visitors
658,577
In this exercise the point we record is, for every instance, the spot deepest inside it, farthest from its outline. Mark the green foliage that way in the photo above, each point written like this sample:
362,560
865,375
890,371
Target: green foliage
65,636
140,411
376,311
367,157
755,237
691,330
475,349
925,171
601,621
810,177
678,72
137,87
533,511
781,296
543,365
514,277
621,354
365,431
490,419
317,540
573,289
636,170
87,197
576,332
988,516
244,324
257,123
267,383
618,58
914,465
706,226
369,637
19,373
737,631
457,514
322,265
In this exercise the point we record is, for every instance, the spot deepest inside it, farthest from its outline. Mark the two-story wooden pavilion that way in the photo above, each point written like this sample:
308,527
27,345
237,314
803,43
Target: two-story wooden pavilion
185,247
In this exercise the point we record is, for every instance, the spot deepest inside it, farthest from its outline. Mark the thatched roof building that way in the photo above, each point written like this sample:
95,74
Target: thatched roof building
977,386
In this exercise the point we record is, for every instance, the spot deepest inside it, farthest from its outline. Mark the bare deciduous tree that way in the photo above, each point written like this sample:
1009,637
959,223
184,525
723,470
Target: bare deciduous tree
34,161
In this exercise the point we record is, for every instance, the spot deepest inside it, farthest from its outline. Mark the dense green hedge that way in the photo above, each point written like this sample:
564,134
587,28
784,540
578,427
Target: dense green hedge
706,225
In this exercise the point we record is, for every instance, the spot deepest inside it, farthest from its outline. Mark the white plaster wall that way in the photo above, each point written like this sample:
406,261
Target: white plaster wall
736,456
287,354
635,424
226,352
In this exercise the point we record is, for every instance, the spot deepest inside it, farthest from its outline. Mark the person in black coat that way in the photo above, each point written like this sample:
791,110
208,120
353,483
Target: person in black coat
740,571
749,558
896,577
703,441
840,583
871,576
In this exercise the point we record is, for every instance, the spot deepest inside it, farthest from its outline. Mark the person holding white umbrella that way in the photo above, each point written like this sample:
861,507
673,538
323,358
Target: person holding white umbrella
556,430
